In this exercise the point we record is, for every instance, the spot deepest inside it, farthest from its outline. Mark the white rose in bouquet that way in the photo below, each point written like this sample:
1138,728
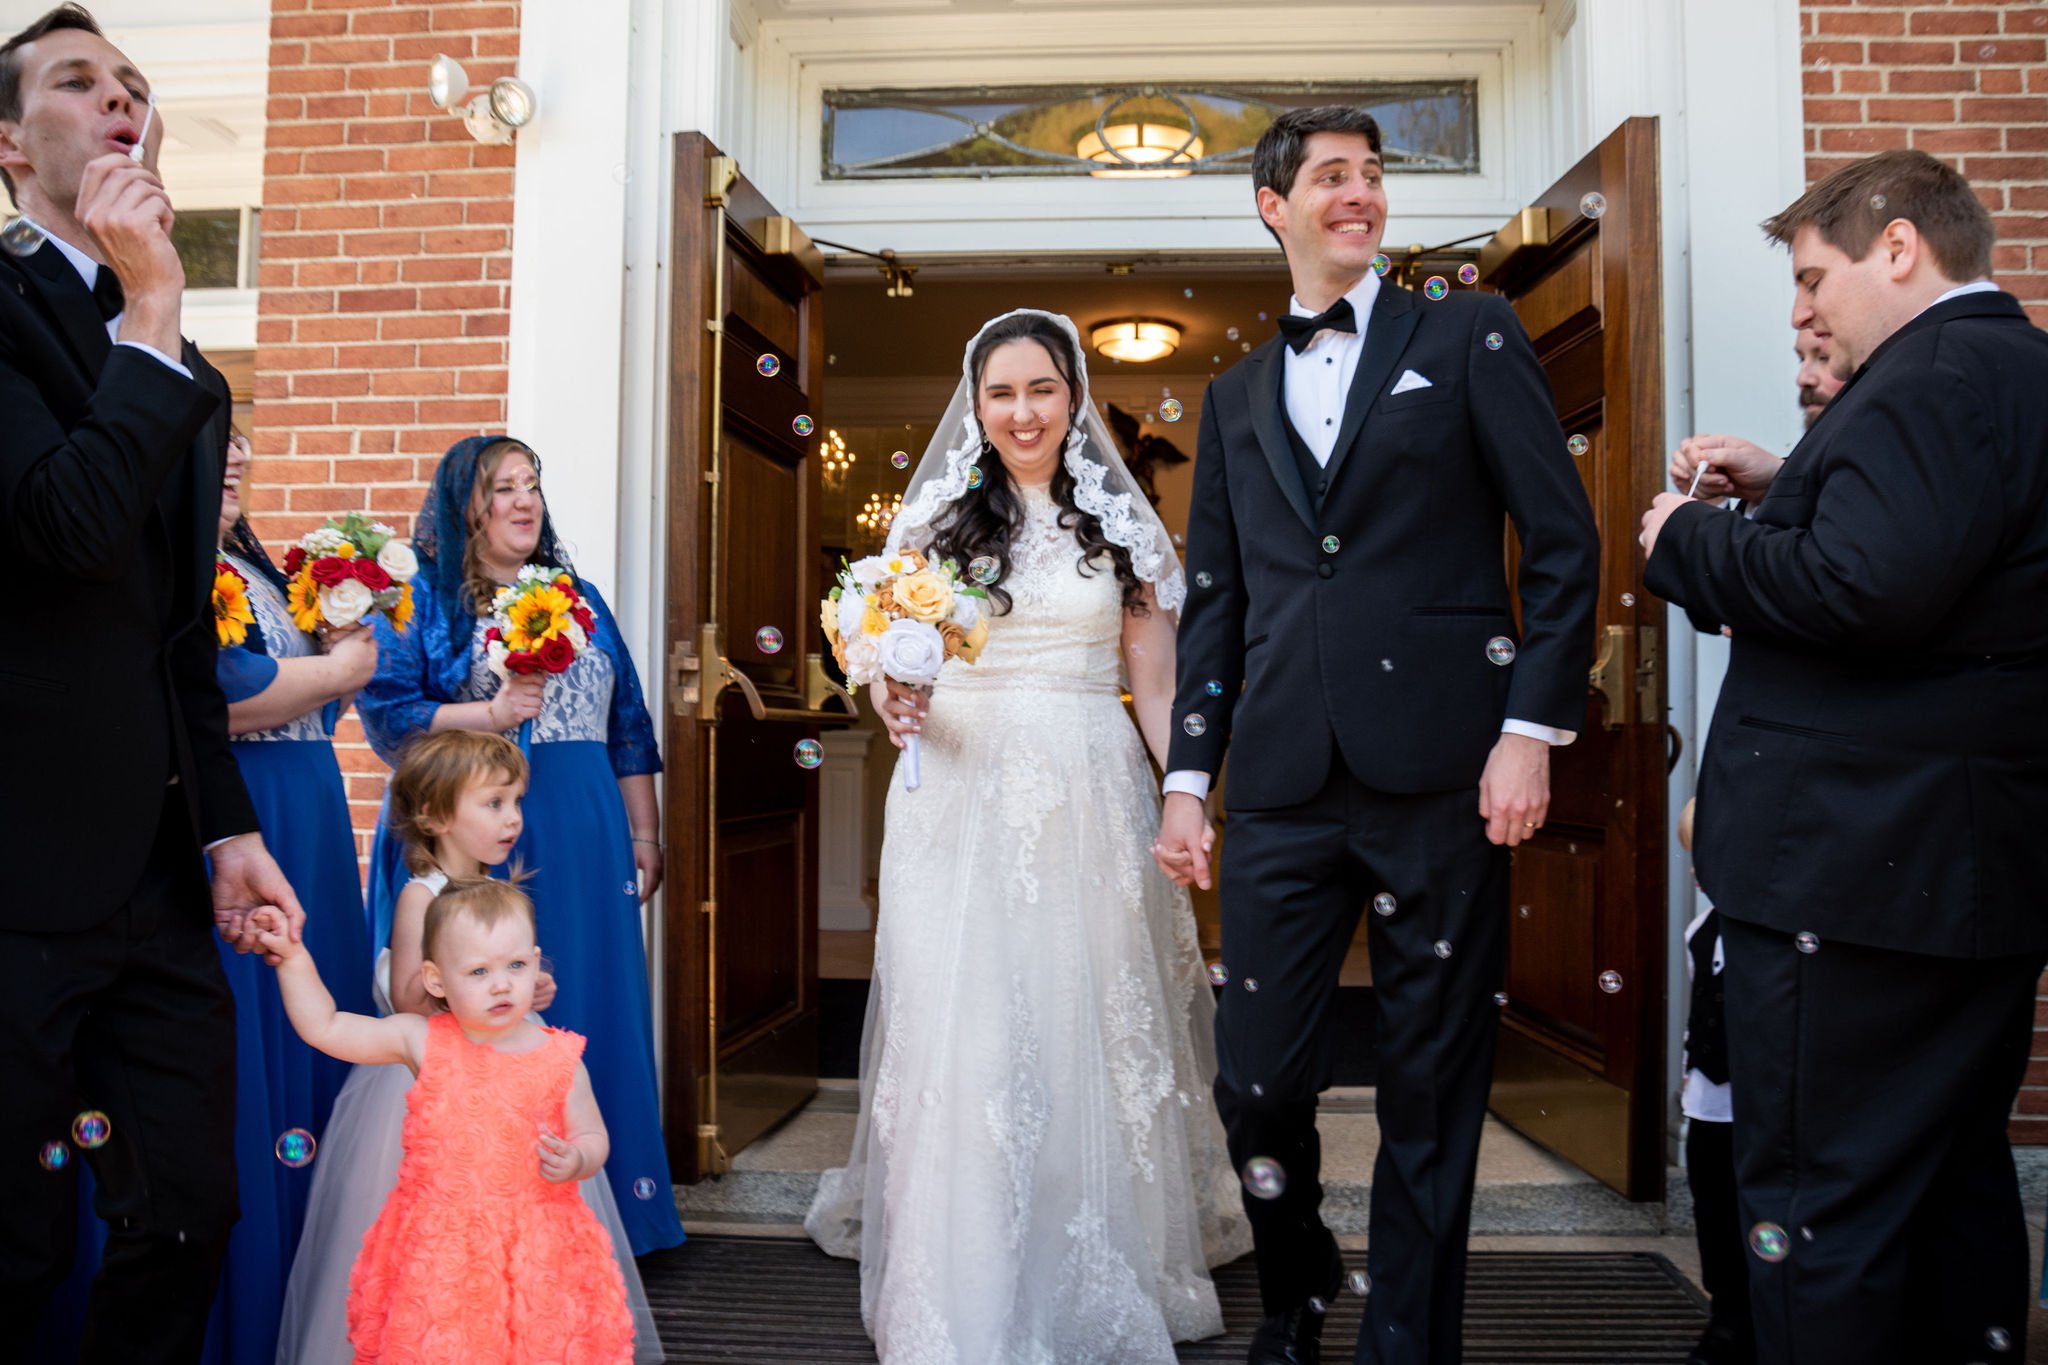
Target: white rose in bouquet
966,611
863,658
912,652
494,654
853,610
345,602
398,560
869,572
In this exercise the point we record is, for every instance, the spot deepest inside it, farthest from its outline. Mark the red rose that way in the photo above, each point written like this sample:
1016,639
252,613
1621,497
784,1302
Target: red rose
584,619
294,559
331,569
521,661
493,634
557,654
370,574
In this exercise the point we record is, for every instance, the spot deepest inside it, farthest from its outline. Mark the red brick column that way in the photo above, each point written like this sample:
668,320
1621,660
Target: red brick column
1968,83
385,271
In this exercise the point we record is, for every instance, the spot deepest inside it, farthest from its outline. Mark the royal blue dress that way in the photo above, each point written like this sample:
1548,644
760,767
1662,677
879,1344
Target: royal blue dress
593,729
280,1083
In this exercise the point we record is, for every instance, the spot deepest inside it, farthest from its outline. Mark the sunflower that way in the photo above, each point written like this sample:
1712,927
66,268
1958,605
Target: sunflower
303,601
401,610
539,615
231,614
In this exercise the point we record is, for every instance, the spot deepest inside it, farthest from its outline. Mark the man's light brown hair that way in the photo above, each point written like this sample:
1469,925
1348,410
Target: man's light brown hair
62,17
1852,206
433,773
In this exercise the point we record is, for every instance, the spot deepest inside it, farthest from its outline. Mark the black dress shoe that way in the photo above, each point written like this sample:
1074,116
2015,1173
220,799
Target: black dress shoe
1724,1345
1291,1338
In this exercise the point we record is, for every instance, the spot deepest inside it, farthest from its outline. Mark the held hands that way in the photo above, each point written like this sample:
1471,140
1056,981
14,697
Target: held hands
517,702
246,879
1185,840
1734,467
902,707
561,1160
273,936
1514,791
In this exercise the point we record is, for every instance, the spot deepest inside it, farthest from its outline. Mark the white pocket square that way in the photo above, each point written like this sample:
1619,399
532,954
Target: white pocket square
1410,380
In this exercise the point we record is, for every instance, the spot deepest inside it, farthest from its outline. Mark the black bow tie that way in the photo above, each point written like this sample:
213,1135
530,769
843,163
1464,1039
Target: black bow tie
106,292
1299,331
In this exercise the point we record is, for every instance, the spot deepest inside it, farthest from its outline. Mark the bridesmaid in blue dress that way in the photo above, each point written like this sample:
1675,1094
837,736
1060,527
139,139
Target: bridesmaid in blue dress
593,829
283,696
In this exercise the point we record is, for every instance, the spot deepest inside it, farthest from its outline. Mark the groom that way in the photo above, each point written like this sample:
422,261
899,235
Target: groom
1349,614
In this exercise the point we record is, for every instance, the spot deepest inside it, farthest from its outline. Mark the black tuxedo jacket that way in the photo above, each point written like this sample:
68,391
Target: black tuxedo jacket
110,474
1377,649
1877,771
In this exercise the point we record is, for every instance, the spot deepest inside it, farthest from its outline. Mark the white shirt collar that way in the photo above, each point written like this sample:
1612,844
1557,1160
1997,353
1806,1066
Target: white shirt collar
1362,296
87,267
1973,287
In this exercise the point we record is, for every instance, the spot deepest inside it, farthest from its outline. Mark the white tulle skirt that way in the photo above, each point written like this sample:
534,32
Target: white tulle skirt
356,1169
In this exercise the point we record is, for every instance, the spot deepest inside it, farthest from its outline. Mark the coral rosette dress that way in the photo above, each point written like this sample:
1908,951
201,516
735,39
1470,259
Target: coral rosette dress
476,1259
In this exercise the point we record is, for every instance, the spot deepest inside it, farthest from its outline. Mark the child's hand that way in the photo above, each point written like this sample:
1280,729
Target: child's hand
561,1161
544,990
273,935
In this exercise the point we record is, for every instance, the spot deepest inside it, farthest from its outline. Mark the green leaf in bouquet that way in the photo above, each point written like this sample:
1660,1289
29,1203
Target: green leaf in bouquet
834,594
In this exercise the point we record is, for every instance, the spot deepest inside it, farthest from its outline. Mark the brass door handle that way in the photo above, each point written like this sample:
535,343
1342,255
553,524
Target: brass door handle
818,689
724,675
1612,677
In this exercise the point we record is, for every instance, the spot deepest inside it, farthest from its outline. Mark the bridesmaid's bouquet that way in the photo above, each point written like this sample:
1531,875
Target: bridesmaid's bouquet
345,570
900,616
539,624
232,615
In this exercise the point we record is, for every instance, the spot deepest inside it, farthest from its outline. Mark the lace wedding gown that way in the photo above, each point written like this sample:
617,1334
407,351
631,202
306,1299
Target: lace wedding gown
1038,1174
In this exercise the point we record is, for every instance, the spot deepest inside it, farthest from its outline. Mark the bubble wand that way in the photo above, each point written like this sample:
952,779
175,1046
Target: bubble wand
142,138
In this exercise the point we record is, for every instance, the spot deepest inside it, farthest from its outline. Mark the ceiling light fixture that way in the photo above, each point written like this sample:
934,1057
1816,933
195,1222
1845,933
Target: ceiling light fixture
1140,151
1136,339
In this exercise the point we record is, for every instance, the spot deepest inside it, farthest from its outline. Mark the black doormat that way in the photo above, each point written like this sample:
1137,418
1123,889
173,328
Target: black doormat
783,1300
843,1006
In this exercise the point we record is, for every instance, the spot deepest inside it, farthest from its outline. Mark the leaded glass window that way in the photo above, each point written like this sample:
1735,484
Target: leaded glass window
1157,130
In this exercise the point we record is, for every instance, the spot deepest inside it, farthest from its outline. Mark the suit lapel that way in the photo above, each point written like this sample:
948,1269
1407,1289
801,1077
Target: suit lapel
1269,413
1393,322
57,281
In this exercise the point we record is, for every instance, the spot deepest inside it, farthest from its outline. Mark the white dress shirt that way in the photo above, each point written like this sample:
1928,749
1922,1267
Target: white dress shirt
89,271
1317,380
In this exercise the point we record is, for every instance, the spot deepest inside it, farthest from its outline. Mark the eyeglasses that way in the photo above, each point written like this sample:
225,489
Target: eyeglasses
525,483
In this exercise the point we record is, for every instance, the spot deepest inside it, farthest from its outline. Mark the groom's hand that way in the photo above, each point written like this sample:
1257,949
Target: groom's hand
1185,839
245,879
1514,791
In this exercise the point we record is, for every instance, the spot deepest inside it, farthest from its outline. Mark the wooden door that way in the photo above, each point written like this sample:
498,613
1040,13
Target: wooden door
1581,1058
741,1006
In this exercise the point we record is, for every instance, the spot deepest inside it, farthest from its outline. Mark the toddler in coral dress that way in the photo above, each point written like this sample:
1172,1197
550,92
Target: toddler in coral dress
485,1253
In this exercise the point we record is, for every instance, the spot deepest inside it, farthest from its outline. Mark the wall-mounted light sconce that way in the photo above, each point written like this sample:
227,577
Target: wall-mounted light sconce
494,115
1136,339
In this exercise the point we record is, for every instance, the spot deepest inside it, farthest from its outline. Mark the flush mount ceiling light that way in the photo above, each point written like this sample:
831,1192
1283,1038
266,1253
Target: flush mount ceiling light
1136,339
1140,151
494,114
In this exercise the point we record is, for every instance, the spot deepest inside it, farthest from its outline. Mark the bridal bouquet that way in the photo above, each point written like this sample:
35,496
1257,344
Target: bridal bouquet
232,615
345,570
539,624
900,616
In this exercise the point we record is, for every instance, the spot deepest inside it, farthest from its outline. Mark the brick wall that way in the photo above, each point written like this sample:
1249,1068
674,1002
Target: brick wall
1967,82
385,272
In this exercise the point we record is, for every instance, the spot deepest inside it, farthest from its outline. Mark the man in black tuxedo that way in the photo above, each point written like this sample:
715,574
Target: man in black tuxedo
1349,619
113,731
1872,791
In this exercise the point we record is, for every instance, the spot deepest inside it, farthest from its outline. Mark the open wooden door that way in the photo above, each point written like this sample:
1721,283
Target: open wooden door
1581,1057
741,916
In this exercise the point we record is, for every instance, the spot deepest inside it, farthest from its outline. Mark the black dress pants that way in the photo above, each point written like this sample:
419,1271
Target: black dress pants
1872,1089
1717,1222
133,1018
1294,884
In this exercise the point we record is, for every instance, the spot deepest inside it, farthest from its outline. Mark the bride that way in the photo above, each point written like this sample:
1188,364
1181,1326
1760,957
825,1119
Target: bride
1038,1174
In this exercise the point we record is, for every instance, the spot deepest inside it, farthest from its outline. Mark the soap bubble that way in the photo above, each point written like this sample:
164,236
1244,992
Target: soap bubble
809,753
1264,1178
296,1147
769,365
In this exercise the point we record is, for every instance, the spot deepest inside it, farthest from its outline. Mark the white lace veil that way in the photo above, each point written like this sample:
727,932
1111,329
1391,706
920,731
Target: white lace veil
1103,485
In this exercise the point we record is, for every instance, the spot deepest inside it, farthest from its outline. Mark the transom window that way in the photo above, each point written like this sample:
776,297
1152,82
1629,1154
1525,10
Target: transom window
983,132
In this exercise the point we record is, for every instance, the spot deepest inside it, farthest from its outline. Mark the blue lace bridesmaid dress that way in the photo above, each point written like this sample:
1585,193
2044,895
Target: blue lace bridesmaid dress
593,729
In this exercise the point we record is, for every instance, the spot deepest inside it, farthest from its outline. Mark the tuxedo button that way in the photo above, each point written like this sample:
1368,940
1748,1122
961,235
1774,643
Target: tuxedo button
1326,570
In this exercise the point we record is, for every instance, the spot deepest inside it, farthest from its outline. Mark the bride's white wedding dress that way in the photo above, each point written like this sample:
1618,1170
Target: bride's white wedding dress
1038,1174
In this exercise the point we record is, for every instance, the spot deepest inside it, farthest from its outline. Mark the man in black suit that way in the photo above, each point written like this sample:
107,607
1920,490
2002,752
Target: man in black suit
1872,792
113,730
1349,620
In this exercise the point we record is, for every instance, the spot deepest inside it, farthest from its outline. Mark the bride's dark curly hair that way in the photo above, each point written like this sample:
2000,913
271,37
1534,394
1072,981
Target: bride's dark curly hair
984,519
